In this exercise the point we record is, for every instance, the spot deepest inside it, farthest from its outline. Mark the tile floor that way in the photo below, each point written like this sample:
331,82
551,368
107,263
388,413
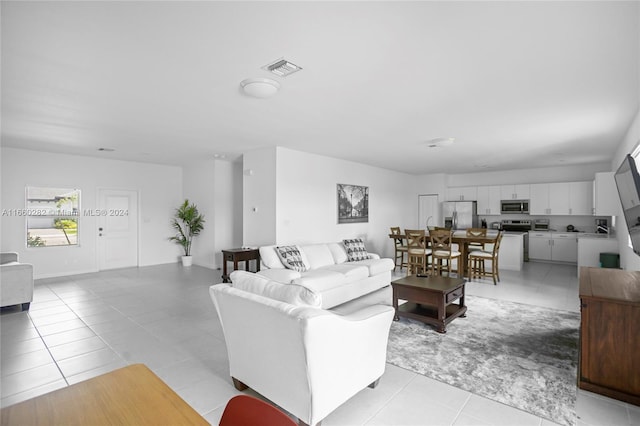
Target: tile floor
85,325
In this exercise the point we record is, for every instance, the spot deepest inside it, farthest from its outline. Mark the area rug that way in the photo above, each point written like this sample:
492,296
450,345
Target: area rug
520,355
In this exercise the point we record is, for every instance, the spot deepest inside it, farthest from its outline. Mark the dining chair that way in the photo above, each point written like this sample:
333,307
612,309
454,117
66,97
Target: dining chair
477,259
476,232
418,253
443,252
400,247
246,410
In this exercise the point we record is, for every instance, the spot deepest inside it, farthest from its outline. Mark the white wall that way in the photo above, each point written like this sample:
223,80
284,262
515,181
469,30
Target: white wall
306,194
259,197
214,186
159,191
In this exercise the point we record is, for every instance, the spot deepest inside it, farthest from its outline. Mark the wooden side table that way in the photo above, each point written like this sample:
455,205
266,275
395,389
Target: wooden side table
239,255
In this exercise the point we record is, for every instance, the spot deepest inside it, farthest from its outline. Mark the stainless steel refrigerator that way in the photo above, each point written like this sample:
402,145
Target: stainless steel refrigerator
460,214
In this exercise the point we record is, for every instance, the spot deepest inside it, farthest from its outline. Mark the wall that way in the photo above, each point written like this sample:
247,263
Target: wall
259,197
214,186
159,191
306,200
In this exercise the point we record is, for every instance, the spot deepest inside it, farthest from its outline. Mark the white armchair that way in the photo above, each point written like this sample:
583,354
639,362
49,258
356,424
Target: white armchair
307,360
16,281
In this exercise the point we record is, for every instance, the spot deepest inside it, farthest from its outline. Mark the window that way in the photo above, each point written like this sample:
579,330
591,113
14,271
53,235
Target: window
52,216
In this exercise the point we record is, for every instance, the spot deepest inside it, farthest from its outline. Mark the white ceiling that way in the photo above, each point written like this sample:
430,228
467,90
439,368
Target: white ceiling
517,84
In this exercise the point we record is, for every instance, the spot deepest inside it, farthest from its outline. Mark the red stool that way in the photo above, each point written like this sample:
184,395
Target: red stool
245,410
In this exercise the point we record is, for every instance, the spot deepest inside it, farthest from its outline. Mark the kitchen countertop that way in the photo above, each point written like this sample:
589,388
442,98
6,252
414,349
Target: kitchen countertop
580,234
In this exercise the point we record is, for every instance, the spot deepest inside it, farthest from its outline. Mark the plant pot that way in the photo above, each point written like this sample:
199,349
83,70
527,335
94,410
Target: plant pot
187,260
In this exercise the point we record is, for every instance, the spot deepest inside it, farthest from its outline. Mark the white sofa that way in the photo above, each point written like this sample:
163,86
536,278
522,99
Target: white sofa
330,274
303,358
16,281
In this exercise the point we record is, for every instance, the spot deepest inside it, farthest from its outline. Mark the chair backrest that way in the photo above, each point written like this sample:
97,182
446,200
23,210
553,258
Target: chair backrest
395,230
496,245
441,239
476,232
415,239
249,410
398,240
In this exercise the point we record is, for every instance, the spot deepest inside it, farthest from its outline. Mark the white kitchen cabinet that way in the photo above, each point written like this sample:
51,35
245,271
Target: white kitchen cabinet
581,198
564,247
540,245
510,254
514,192
562,198
539,200
606,201
462,193
553,246
489,200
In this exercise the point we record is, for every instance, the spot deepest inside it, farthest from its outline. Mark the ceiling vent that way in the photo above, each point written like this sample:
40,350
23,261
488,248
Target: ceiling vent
282,67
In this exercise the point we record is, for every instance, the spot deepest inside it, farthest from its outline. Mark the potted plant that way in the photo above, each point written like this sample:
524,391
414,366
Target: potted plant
187,223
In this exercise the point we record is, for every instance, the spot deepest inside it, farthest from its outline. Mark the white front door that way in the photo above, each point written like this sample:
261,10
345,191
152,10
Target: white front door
428,211
117,228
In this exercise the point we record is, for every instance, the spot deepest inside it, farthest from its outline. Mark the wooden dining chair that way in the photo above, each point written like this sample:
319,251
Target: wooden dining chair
417,252
477,267
443,253
400,247
476,232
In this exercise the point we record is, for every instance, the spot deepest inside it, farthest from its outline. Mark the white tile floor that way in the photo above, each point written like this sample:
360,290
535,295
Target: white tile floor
82,326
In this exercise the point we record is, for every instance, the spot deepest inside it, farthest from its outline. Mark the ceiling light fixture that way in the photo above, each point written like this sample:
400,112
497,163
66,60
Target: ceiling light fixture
260,87
440,142
106,149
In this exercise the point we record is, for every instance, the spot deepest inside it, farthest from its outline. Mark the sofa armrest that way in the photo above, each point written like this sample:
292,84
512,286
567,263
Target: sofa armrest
280,275
8,257
374,256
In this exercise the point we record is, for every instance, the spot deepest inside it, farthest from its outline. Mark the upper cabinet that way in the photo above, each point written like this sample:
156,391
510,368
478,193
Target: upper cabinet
606,201
489,200
564,198
462,193
515,192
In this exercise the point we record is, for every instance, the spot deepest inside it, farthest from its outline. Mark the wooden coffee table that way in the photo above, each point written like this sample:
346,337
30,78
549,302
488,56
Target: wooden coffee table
430,299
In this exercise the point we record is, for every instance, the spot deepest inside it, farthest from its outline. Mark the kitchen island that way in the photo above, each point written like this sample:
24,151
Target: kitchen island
511,253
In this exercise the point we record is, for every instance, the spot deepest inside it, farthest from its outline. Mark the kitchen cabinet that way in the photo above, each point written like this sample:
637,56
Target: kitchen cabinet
610,333
462,193
605,199
489,200
514,192
562,198
553,246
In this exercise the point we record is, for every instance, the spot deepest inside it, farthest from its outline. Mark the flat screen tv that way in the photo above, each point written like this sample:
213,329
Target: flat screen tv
628,183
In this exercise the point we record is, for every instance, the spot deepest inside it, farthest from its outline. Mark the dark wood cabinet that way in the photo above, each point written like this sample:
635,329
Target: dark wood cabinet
610,333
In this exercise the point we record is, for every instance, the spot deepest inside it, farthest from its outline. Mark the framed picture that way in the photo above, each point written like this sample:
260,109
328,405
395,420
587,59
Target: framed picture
353,203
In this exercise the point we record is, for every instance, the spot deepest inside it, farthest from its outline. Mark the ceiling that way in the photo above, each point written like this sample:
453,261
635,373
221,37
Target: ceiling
518,84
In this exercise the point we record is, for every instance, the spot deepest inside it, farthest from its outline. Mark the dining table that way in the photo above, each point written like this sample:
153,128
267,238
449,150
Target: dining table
460,238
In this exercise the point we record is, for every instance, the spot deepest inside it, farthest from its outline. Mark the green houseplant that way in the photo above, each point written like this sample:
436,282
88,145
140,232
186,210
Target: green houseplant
187,222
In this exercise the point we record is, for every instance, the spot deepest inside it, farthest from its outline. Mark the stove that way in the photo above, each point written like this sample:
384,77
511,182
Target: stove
516,225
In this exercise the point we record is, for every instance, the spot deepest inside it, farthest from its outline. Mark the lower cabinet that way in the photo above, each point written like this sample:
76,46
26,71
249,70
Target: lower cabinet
557,247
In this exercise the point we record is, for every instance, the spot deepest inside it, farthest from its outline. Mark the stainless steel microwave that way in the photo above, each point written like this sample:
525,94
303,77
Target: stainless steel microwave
514,206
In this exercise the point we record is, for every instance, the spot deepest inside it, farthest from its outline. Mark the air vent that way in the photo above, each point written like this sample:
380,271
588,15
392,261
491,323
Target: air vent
282,67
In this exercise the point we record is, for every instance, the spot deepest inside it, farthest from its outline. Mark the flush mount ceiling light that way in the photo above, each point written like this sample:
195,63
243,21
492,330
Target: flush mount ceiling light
282,67
106,149
440,142
260,87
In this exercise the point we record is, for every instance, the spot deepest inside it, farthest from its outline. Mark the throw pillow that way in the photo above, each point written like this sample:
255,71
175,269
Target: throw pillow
355,250
292,258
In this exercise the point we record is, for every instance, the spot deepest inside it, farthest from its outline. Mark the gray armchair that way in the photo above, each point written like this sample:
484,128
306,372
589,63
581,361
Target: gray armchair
16,281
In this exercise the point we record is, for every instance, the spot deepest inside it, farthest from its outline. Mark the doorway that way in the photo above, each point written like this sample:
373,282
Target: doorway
428,211
117,228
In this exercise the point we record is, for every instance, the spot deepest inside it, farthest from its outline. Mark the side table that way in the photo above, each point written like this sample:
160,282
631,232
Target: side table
239,255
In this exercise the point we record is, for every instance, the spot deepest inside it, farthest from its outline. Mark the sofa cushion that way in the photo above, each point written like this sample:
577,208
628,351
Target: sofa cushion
282,275
292,258
338,252
377,266
318,255
351,271
355,249
288,293
269,257
320,280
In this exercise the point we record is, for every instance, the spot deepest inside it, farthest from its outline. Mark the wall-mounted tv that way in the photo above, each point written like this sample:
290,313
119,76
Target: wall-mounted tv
628,183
